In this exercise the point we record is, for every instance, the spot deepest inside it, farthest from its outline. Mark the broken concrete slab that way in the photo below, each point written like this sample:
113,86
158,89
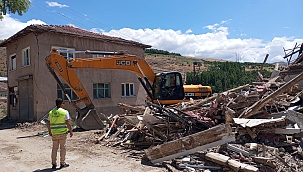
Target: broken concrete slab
256,122
288,130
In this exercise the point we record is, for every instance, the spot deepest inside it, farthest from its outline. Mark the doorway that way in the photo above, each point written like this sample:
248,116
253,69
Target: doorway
25,91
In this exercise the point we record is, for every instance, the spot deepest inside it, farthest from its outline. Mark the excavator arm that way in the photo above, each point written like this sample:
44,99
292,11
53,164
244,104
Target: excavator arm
117,61
87,117
126,62
57,64
161,88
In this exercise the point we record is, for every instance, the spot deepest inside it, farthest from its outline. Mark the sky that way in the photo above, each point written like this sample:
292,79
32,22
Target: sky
235,30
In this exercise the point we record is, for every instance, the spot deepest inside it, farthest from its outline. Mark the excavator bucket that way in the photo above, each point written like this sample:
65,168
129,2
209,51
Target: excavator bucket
90,121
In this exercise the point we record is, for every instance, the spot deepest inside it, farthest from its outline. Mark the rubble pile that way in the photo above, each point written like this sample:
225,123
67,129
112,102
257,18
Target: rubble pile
255,127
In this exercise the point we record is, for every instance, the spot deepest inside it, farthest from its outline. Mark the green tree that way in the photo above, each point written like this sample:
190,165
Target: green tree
233,74
162,52
14,6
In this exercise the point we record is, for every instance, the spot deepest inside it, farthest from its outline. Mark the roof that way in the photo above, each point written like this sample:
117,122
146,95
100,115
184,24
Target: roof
69,30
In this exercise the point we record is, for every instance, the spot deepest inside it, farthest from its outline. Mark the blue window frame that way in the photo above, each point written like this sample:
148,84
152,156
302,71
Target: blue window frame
71,94
101,90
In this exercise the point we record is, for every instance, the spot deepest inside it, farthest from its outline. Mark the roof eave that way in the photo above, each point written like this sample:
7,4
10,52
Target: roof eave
33,29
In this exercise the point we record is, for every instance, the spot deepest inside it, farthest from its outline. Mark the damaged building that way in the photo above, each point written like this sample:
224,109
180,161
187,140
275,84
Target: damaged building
31,88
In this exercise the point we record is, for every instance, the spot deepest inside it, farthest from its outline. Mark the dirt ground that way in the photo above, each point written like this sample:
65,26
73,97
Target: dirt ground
27,147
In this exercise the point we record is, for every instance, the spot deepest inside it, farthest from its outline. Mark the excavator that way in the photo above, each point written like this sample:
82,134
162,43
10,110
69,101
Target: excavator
162,88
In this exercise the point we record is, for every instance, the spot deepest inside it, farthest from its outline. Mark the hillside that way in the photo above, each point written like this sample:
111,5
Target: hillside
3,63
183,64
161,63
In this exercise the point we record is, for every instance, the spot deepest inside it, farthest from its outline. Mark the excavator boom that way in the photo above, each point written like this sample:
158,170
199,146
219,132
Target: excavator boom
87,117
126,62
161,88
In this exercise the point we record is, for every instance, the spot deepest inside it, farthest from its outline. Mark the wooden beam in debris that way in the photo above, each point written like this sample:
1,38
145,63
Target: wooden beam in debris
227,161
200,103
294,52
271,81
126,106
300,56
170,167
238,150
261,103
265,161
291,72
265,59
236,89
260,76
209,99
212,137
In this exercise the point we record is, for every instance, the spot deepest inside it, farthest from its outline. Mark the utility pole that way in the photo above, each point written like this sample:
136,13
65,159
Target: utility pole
195,76
196,68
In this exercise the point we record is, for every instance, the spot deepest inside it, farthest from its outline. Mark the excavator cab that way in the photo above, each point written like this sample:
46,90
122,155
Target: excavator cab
168,86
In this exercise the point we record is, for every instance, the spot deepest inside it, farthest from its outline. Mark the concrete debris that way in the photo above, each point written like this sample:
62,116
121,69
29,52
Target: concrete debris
255,127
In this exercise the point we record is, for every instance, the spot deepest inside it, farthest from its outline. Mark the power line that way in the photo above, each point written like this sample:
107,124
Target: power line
61,15
65,17
40,14
99,24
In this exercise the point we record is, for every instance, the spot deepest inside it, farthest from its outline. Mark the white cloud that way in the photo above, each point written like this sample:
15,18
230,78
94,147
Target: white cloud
10,26
213,44
56,4
96,30
188,31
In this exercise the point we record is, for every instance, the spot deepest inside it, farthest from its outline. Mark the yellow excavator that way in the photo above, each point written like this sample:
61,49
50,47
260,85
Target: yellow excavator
162,88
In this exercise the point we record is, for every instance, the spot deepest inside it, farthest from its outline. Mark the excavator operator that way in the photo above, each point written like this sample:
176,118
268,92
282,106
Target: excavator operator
172,81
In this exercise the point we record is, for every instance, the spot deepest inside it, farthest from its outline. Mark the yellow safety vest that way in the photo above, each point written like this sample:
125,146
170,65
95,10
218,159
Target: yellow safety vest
58,121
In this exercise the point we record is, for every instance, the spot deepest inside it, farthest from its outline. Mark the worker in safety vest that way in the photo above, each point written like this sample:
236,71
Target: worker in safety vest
59,125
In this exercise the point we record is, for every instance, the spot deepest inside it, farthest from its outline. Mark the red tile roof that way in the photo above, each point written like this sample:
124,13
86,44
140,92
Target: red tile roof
69,30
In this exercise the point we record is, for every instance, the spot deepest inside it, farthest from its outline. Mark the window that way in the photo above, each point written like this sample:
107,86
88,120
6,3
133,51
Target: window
66,54
172,80
128,90
12,62
101,90
71,94
26,57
